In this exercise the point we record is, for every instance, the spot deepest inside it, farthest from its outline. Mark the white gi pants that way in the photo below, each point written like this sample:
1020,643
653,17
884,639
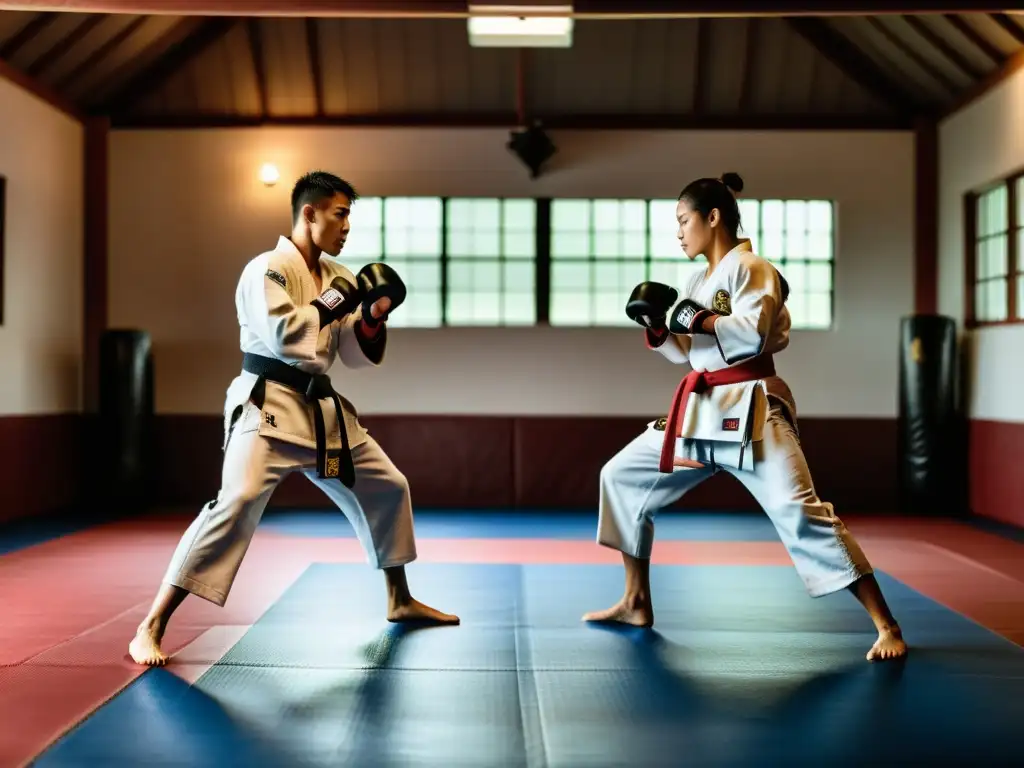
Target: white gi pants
211,550
633,490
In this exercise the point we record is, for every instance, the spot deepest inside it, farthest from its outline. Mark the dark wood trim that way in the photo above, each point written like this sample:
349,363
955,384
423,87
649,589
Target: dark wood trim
853,62
970,268
982,87
459,8
926,218
97,131
618,122
704,63
41,91
543,263
3,240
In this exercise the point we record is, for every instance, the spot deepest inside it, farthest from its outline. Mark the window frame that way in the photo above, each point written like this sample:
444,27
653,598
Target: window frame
543,262
1014,257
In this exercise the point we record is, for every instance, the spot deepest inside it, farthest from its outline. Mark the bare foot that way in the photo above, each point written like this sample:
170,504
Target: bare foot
636,612
415,611
145,648
889,645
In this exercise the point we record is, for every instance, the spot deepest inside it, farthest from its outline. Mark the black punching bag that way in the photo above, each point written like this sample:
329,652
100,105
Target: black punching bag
125,420
929,432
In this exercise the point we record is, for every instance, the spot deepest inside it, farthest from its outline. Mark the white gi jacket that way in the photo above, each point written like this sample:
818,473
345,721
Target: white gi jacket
276,319
746,291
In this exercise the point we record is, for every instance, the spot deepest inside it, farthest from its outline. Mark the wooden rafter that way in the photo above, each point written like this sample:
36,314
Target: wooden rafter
851,61
975,38
26,34
101,53
911,53
181,45
940,44
315,67
62,47
1008,24
254,33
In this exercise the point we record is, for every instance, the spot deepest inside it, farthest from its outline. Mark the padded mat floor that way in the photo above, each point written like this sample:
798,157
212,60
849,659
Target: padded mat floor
743,669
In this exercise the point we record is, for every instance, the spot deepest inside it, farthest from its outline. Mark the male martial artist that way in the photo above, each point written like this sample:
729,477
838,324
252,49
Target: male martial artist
298,310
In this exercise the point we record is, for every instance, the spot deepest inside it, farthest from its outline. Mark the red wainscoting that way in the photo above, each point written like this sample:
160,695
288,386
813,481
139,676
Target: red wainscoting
532,462
996,450
41,469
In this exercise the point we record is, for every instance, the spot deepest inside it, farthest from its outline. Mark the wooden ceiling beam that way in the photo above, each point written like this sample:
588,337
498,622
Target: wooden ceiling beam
460,8
26,34
938,42
510,120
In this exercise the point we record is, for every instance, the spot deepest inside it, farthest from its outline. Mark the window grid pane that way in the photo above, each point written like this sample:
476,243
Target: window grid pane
599,251
797,237
996,275
491,249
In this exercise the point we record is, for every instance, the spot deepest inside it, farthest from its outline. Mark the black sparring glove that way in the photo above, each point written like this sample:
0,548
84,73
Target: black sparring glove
689,317
337,301
649,304
375,282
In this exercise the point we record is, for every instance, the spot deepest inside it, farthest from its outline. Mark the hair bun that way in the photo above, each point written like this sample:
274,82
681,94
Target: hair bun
733,182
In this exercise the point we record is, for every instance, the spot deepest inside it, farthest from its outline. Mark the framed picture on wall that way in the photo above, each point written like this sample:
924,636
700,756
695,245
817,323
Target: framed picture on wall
3,239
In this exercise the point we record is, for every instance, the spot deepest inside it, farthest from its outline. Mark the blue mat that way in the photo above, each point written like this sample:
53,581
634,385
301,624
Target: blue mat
535,524
744,669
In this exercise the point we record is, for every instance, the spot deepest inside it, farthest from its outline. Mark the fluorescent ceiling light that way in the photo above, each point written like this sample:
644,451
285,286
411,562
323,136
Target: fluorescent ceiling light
520,31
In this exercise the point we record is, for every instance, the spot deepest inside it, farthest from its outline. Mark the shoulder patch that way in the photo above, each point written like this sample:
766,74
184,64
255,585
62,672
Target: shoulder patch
277,277
722,303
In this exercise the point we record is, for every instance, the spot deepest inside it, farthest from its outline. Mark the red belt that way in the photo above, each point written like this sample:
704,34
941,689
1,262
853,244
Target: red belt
700,382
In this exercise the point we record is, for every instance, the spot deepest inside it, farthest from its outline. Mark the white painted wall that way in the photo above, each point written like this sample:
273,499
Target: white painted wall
187,211
978,145
41,155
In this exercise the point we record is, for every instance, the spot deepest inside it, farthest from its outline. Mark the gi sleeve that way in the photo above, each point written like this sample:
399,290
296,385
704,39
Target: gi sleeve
290,332
756,296
675,349
354,349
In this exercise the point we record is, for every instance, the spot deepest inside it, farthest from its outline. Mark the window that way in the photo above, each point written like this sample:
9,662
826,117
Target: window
491,262
405,232
598,253
996,239
600,249
797,237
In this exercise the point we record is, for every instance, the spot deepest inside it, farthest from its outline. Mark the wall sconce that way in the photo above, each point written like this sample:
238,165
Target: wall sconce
269,174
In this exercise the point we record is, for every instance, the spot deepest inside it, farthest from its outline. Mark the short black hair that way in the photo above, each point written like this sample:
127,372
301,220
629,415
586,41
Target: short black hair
316,186
704,195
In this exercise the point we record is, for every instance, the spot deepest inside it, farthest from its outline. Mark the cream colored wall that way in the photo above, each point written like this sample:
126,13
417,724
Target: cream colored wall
979,145
187,211
41,155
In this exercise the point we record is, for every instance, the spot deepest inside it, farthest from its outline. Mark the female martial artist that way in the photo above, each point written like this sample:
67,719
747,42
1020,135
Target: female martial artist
731,413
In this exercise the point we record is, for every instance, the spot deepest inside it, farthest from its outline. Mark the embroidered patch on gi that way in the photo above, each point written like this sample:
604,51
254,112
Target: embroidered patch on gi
277,277
722,303
332,468
660,424
730,425
269,418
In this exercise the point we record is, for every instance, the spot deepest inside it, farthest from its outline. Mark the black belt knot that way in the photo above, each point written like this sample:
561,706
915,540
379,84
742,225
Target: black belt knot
314,387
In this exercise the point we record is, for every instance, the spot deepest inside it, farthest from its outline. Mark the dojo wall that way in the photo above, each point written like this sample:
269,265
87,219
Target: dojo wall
979,145
41,155
505,416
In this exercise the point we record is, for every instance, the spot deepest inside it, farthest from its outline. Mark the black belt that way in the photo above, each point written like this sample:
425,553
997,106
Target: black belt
314,387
